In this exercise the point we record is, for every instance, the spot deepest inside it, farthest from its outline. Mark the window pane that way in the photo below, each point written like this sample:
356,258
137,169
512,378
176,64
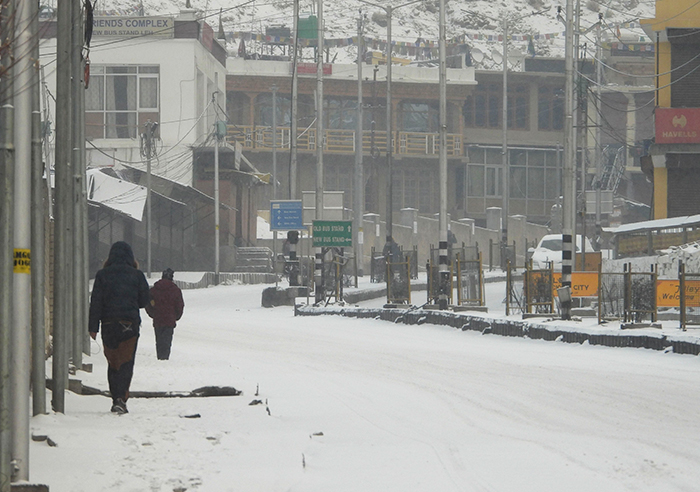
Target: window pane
551,188
494,111
475,181
536,158
480,111
494,178
518,185
121,125
494,156
121,92
535,182
148,93
95,94
120,69
155,69
476,155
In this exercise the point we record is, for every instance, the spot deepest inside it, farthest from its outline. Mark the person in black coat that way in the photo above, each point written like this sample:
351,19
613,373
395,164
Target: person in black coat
119,291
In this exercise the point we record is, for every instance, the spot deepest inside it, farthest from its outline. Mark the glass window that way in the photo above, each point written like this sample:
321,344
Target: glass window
475,181
535,182
483,109
550,104
518,182
494,181
148,93
418,117
116,96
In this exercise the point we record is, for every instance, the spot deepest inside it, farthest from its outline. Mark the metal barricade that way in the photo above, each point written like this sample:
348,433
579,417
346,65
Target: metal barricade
398,286
377,267
470,281
641,288
628,296
515,291
539,290
689,293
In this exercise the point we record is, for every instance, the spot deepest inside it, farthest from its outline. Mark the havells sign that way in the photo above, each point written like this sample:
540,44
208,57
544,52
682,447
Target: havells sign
677,125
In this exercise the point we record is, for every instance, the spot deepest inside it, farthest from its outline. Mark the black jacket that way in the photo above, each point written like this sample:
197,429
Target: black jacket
120,289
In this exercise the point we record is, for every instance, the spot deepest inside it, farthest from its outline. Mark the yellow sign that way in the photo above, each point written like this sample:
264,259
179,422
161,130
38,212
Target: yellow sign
23,261
668,293
583,284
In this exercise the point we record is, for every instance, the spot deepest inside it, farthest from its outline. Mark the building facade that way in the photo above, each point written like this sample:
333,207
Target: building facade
674,159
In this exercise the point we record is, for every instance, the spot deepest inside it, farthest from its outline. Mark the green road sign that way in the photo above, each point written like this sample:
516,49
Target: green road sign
330,233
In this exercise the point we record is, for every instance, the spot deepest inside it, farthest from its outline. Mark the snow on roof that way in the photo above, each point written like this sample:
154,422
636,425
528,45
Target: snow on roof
117,194
652,225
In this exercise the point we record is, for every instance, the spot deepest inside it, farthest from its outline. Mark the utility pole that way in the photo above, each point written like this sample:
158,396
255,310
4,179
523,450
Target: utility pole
389,146
598,142
148,151
569,176
504,151
21,313
293,127
443,267
318,270
63,223
39,209
7,165
218,134
274,143
80,290
359,195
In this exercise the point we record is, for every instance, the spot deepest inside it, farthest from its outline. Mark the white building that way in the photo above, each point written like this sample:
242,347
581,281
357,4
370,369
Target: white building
169,70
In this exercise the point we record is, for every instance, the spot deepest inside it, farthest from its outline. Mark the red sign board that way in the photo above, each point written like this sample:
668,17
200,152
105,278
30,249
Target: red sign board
677,125
310,68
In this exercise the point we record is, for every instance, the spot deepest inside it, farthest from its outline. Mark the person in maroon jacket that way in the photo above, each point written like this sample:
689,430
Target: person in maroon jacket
165,308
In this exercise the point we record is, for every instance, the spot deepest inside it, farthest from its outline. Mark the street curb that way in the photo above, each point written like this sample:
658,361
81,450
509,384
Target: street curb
512,328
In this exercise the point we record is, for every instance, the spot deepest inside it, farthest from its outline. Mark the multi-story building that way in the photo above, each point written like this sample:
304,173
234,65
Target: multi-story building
673,162
167,71
535,124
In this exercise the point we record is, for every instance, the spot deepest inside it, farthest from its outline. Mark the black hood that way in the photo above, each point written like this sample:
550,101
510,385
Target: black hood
120,252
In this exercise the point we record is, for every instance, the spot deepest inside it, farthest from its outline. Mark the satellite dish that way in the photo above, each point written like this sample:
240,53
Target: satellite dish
515,57
477,55
496,56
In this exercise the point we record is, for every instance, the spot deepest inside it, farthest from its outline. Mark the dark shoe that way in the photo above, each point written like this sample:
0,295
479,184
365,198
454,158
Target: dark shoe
119,407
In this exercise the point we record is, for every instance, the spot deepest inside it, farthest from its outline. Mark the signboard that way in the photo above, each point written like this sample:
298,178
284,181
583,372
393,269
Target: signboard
677,125
162,27
332,206
23,261
668,293
606,201
311,68
332,233
583,284
285,215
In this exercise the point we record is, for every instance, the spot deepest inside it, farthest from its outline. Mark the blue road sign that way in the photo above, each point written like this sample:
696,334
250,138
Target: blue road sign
286,215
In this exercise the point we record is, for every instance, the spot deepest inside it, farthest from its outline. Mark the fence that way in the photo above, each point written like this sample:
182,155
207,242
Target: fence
539,290
470,280
398,286
628,296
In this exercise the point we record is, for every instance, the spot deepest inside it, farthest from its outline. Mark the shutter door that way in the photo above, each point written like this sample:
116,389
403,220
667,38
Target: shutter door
685,66
684,190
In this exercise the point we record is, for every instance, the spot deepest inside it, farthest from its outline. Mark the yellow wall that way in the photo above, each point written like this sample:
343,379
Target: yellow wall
670,14
660,193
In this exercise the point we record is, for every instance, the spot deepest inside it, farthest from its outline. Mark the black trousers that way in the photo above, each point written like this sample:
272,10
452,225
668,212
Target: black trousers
164,339
120,339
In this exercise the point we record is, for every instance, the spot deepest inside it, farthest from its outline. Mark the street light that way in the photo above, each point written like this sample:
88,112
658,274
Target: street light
389,132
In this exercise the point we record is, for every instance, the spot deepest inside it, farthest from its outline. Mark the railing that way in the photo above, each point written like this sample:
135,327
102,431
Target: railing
343,141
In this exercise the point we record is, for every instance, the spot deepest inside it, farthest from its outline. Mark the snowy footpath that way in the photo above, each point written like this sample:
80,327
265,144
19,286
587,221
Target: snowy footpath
333,403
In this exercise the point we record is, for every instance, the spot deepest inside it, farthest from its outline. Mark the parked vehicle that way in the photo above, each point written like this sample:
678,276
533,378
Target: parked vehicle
549,249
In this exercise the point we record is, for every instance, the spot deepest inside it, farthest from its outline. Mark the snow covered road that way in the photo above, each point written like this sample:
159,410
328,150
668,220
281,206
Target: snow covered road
367,405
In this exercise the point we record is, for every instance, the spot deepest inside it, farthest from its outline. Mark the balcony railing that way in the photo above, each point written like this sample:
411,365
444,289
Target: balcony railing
343,141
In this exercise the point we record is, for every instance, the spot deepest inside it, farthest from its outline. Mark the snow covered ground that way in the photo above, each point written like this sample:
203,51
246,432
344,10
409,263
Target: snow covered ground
366,405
